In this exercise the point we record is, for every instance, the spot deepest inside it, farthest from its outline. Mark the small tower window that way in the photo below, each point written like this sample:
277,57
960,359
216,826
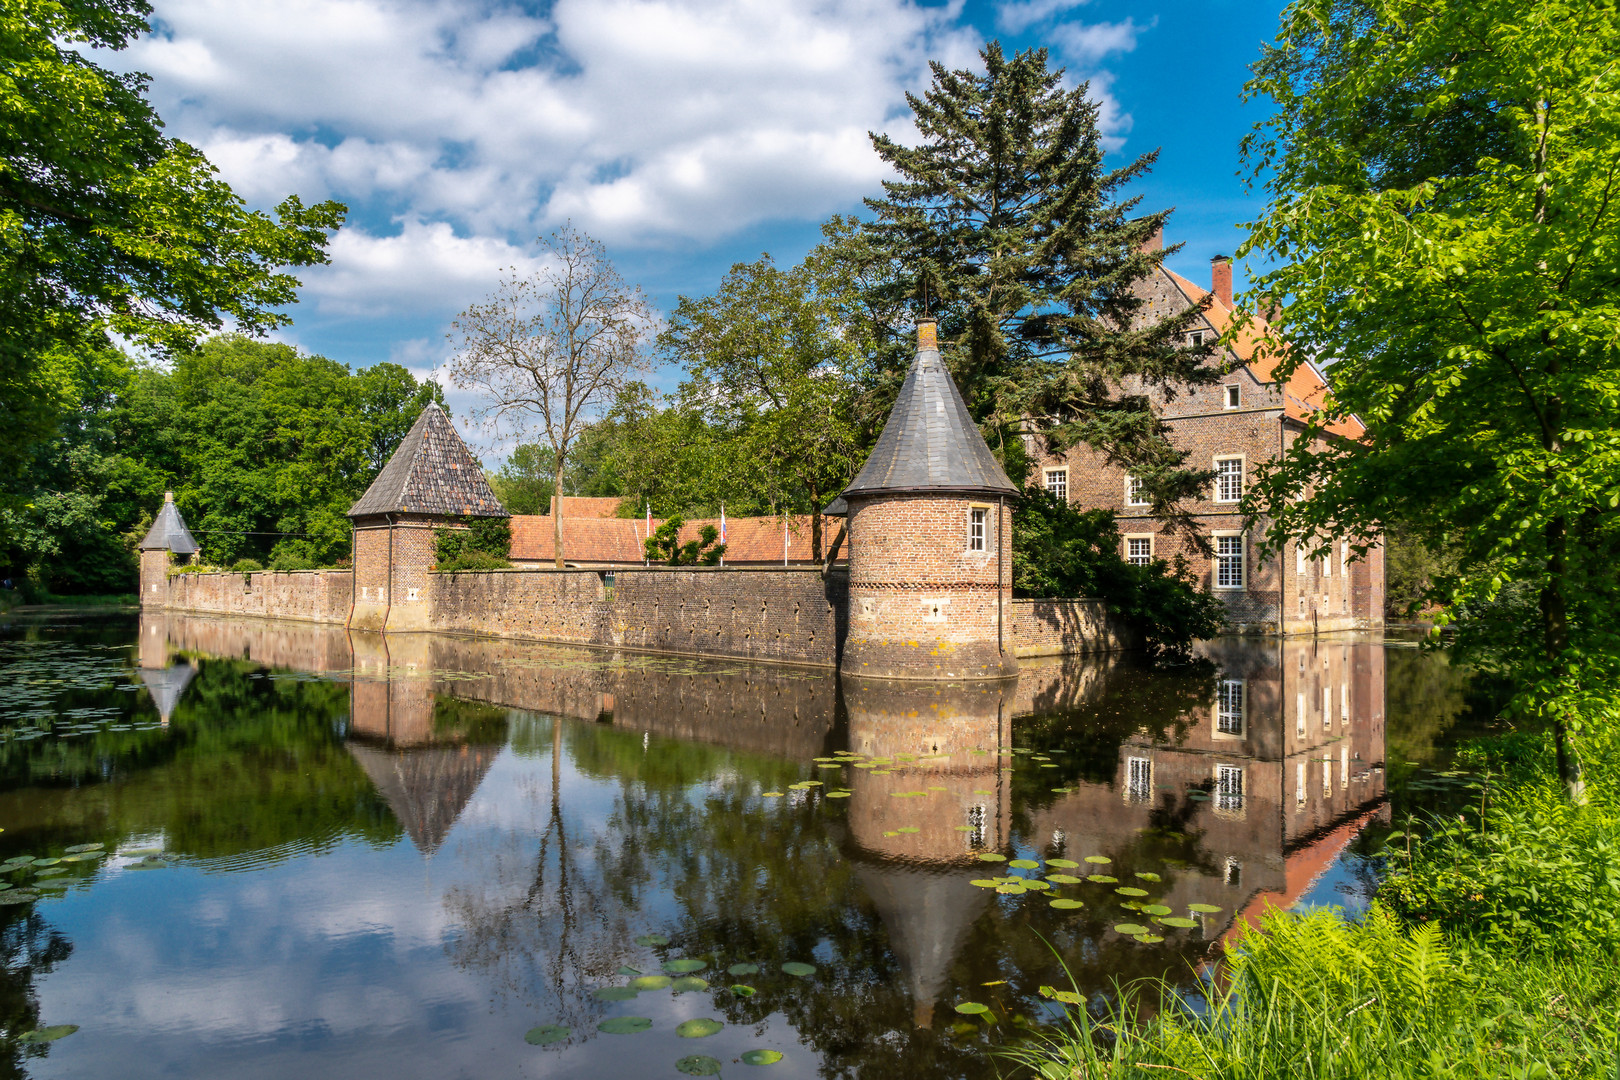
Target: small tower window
1234,395
976,518
1196,338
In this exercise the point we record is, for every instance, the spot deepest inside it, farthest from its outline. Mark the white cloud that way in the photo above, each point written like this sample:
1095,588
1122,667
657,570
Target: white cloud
1089,42
1019,15
426,265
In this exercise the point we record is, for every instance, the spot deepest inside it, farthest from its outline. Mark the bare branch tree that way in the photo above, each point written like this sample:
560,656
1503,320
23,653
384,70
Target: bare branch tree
549,349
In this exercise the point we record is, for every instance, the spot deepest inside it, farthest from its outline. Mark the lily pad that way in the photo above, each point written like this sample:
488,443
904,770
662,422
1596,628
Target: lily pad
985,883
972,1008
990,856
1203,909
545,1034
1127,890
743,969
1155,909
1180,923
628,970
799,968
743,991
1067,864
838,794
761,1057
1064,879
1148,876
1098,859
80,848
19,896
83,856
684,967
615,993
698,1028
1011,890
1102,879
1036,885
624,1025
48,1034
651,982
698,1065
652,940
908,829
1149,939
770,794
1131,928
689,983
46,862
1066,905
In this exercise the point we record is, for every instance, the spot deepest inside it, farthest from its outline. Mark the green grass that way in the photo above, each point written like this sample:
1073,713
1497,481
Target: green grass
1317,998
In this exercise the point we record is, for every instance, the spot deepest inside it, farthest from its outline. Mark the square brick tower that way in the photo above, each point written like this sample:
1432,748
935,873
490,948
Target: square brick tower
930,540
167,538
431,482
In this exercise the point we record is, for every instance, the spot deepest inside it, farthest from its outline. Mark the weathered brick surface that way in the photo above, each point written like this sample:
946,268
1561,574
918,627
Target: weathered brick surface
1064,628
308,595
154,578
922,603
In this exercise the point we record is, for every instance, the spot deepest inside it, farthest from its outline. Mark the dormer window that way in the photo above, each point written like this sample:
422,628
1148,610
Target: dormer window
1196,338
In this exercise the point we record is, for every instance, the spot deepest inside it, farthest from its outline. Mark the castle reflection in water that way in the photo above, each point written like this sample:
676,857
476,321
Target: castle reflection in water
1271,757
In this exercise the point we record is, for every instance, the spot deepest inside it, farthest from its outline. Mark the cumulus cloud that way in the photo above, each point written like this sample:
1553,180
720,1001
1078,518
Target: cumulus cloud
1019,15
1087,43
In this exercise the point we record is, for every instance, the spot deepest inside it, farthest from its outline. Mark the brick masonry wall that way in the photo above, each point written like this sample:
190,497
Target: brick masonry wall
1063,628
923,604
307,595
154,578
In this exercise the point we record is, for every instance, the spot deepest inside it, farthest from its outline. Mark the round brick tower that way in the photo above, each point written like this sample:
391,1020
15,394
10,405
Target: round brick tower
930,540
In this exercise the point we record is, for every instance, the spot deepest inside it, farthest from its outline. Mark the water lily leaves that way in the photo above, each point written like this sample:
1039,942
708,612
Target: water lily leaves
46,862
624,1025
19,896
1064,879
140,853
907,794
1130,928
615,993
770,794
1149,939
49,1034
1179,922
78,849
652,940
743,969
1025,864
799,968
1010,889
684,967
1068,997
627,970
1102,879
1065,905
985,883
990,856
1067,864
744,991
1098,859
761,1057
1203,909
830,765
651,982
52,872
838,794
545,1034
1127,890
1149,876
908,829
698,1028
698,1065
1037,886
83,856
1155,909
689,983
972,1008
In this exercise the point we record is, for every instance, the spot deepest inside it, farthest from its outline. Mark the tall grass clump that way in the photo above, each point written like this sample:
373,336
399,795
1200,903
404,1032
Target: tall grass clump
1319,998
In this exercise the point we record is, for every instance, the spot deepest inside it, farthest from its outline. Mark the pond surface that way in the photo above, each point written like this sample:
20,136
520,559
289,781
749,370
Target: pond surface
325,854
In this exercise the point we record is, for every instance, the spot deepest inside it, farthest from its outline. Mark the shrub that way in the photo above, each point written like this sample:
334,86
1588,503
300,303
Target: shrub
247,566
665,546
293,555
484,544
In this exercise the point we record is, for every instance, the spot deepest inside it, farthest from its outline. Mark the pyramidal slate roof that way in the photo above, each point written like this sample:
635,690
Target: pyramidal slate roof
169,532
432,472
930,442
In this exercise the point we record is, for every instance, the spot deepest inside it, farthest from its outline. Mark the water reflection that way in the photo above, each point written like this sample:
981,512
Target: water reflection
478,831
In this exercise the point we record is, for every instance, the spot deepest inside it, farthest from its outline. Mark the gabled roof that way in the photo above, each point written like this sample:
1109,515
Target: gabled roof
1255,345
432,472
930,442
169,532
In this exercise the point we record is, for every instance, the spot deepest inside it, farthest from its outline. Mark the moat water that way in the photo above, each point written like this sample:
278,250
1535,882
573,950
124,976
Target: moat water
276,850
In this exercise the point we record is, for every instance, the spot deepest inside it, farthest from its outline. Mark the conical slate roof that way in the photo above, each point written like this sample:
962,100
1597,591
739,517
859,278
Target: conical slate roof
169,532
166,685
432,472
427,788
930,442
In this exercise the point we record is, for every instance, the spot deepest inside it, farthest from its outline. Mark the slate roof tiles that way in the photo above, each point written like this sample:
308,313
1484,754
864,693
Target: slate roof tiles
432,472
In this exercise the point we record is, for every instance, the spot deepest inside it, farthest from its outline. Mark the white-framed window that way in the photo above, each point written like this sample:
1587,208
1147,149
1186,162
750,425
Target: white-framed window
1228,787
1231,699
1229,568
1139,779
1134,495
1327,708
1139,550
1327,563
977,517
1299,558
1344,553
1228,479
1299,785
1344,703
1057,483
1233,395
1232,874
1327,775
1196,338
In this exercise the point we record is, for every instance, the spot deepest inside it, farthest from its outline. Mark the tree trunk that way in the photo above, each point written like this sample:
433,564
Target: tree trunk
815,524
556,516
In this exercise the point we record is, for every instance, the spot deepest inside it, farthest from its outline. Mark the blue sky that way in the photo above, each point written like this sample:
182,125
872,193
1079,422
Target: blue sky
685,134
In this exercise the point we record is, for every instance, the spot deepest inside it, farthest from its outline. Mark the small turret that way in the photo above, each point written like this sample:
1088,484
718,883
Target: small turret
167,538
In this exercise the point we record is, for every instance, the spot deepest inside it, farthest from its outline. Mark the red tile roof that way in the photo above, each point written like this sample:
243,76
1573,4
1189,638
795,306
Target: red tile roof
1257,347
750,541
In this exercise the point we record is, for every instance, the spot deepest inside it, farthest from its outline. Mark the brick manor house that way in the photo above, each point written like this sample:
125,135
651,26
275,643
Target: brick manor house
1230,427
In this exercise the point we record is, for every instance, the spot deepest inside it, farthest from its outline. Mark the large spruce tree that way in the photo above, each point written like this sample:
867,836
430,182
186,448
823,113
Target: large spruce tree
1008,227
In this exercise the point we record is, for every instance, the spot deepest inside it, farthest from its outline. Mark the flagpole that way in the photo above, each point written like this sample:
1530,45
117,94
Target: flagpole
722,533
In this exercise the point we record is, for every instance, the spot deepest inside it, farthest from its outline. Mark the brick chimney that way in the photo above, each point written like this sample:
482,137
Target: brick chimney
927,333
1154,242
1220,279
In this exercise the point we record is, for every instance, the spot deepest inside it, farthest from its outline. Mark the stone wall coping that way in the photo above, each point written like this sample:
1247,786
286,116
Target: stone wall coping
798,569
